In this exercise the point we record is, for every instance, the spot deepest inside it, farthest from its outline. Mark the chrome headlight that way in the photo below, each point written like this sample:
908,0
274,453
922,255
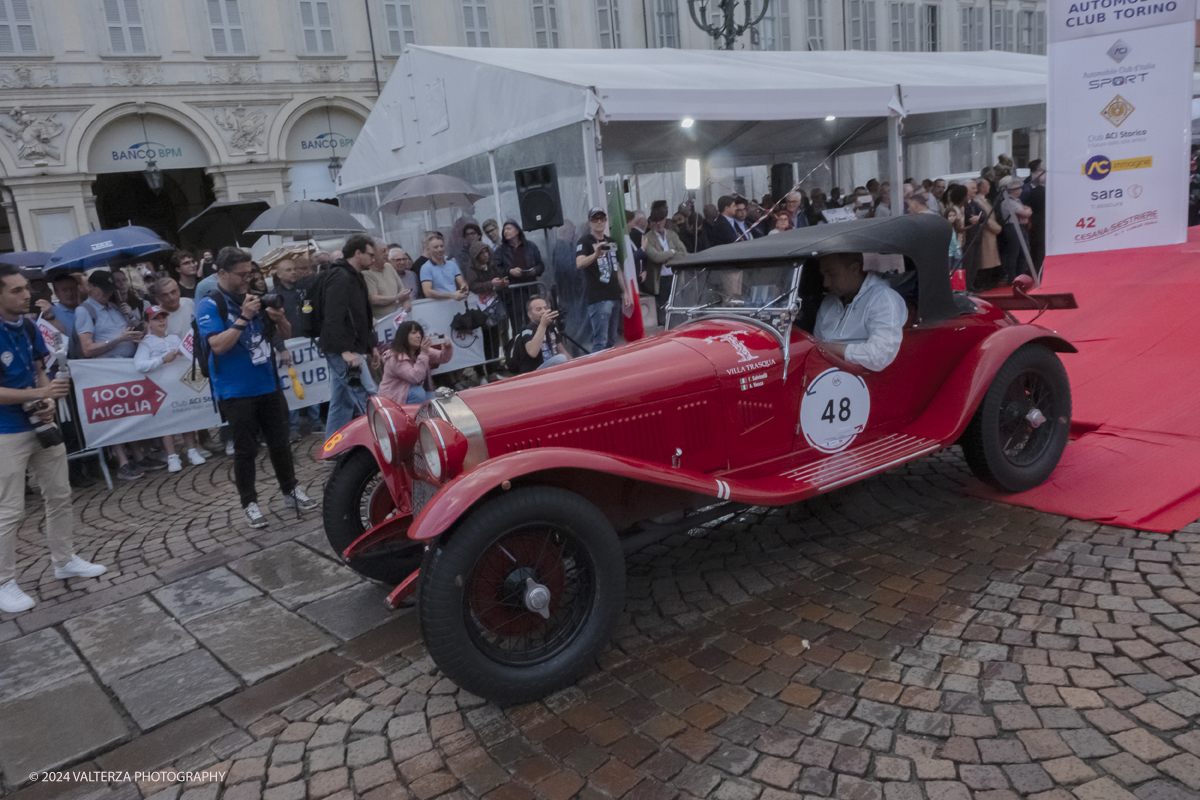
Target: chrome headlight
443,447
379,428
393,430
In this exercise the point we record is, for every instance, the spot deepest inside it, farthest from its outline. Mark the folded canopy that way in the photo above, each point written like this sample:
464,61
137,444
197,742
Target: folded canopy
445,104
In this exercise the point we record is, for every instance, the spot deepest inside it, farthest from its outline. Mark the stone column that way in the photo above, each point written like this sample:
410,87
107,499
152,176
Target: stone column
53,209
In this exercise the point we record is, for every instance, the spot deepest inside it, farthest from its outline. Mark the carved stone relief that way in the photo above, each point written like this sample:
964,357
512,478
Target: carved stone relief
133,74
243,128
35,135
28,76
234,74
324,73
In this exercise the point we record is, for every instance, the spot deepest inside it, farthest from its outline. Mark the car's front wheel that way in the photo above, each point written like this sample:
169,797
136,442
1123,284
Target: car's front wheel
1019,431
355,500
519,600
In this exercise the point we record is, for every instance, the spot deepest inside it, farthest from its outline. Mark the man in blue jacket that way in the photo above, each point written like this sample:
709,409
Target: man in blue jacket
241,345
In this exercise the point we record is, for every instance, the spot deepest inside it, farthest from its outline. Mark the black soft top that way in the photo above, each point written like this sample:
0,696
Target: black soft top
924,239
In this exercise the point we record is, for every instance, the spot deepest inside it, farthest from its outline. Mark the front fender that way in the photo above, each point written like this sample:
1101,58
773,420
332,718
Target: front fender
951,410
456,497
355,433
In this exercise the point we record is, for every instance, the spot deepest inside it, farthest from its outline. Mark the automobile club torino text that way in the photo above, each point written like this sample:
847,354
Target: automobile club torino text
1093,12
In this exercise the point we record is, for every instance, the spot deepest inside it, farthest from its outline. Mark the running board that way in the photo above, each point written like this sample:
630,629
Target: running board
851,465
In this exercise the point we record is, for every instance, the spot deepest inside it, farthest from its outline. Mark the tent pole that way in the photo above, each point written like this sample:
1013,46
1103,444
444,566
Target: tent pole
382,232
591,166
896,163
495,184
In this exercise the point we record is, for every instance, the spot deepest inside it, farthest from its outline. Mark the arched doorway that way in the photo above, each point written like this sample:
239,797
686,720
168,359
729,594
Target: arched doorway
119,156
317,137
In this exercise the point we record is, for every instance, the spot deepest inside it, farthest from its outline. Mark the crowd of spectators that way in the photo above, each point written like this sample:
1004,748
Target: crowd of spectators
144,310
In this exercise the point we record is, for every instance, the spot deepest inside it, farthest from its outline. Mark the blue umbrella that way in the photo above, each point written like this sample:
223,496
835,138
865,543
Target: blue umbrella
25,258
98,248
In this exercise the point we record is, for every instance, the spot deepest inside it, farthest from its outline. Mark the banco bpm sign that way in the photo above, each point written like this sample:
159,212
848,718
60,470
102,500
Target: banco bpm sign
144,151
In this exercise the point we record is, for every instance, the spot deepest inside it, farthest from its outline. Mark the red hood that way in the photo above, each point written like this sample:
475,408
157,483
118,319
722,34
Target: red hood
673,364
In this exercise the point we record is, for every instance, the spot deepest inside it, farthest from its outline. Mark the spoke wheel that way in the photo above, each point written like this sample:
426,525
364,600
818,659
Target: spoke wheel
356,499
519,600
501,620
1019,431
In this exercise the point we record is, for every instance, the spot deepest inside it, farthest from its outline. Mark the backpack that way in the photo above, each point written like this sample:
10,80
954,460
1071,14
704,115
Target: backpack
312,310
200,348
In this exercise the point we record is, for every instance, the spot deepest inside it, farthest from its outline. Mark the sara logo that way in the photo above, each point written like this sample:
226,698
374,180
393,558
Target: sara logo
1098,167
327,141
144,151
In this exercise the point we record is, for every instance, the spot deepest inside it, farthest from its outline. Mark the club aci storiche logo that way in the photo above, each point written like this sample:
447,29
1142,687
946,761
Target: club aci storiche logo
1117,111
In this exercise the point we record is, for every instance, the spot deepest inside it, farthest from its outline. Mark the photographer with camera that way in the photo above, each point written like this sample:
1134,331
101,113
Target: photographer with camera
239,342
539,344
30,440
348,332
596,255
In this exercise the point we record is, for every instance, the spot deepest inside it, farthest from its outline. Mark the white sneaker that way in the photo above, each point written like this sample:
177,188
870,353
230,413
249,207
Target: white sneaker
173,463
195,458
229,447
298,499
78,568
203,452
254,517
13,600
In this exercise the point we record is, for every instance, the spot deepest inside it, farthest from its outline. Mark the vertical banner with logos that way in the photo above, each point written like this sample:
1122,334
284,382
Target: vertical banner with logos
1118,123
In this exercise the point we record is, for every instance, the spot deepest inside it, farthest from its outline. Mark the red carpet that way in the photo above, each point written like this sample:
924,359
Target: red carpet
1135,385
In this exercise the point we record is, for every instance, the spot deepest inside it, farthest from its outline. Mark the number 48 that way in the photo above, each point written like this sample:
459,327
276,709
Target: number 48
843,411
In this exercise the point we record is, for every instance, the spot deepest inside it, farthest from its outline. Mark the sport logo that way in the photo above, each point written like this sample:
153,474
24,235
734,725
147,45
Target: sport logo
1117,111
1098,167
1118,51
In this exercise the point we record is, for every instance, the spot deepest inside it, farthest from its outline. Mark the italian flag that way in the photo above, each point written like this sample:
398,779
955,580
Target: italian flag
634,329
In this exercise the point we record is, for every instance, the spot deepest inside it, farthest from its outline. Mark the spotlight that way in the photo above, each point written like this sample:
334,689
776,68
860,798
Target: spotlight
830,118
687,122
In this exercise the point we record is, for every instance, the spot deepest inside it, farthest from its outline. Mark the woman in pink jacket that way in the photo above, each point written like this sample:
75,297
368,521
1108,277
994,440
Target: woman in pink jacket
408,366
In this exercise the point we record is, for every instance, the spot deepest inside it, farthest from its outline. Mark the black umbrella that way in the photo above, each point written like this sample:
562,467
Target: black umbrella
223,223
305,218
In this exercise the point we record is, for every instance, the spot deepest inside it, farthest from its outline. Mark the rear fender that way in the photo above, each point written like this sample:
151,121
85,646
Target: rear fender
951,410
357,433
457,497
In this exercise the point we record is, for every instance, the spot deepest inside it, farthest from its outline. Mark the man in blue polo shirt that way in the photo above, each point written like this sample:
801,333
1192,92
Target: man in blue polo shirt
23,379
246,381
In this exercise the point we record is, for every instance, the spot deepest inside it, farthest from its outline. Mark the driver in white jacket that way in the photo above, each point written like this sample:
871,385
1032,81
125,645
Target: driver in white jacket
862,317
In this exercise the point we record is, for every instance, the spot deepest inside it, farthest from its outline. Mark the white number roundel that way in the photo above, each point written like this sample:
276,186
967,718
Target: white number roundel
834,410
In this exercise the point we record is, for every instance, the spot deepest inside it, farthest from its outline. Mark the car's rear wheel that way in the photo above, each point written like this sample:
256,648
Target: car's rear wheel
1019,431
355,500
519,600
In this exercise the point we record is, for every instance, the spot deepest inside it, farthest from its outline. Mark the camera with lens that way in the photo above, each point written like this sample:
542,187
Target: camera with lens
354,375
556,306
271,300
48,434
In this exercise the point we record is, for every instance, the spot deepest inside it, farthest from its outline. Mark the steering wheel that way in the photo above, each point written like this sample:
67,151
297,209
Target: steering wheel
711,296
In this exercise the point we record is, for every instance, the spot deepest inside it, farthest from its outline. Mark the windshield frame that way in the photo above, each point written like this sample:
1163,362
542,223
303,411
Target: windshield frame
759,316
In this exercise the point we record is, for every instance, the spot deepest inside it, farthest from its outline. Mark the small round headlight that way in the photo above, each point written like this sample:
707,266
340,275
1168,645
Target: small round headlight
431,451
383,438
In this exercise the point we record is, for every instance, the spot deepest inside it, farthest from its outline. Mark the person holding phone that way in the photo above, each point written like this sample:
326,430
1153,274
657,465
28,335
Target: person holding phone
408,365
596,255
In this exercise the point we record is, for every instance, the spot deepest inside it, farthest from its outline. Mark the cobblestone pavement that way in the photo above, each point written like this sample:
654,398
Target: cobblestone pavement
959,650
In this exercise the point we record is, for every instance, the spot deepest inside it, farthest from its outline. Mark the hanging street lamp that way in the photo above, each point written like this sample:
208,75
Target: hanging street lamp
723,24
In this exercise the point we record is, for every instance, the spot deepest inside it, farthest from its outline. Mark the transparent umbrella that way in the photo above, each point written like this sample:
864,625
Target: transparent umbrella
429,193
306,218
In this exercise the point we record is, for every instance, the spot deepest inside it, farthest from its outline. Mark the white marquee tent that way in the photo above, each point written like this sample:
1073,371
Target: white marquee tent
480,113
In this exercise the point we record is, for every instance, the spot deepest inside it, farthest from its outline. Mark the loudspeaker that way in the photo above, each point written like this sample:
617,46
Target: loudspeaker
537,197
782,180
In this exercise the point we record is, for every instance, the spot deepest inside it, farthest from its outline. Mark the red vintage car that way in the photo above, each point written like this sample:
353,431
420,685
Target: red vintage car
511,505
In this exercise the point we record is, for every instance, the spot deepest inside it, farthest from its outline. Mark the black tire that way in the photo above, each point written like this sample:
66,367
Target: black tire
1002,447
347,491
473,616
